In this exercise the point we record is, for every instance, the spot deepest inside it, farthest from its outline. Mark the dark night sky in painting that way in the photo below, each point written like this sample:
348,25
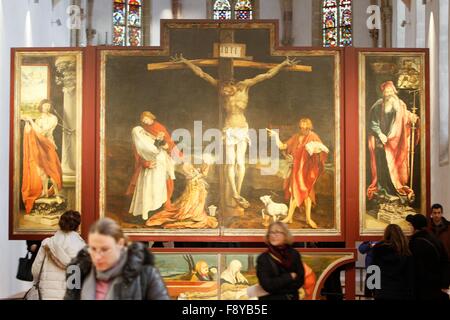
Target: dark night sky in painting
178,97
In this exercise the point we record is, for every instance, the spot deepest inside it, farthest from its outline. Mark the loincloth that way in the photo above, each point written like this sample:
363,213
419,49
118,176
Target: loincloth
233,136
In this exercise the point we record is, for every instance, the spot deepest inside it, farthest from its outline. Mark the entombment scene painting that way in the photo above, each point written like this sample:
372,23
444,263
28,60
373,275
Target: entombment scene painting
392,114
220,135
47,138
230,276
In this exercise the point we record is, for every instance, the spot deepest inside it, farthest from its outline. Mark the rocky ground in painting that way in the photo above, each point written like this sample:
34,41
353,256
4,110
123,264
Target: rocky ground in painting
251,219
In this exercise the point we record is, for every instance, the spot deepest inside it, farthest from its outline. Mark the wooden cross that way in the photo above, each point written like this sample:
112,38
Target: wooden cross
226,65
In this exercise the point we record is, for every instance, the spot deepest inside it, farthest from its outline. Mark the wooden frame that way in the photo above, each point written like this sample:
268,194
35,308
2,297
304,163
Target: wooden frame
355,205
67,62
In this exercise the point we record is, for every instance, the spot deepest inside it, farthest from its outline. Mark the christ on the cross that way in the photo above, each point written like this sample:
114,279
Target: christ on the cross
234,95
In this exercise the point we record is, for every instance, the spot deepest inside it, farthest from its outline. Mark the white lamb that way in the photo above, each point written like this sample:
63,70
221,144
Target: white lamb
272,209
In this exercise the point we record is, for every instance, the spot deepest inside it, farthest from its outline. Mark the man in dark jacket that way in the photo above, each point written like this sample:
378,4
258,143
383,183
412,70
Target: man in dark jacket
430,261
138,279
440,226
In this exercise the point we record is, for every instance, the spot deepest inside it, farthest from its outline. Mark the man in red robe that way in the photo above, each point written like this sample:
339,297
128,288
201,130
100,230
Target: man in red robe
156,129
40,160
390,128
308,155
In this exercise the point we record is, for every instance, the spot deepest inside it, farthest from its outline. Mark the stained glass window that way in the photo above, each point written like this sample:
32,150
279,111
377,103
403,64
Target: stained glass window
243,10
222,10
337,23
232,9
127,23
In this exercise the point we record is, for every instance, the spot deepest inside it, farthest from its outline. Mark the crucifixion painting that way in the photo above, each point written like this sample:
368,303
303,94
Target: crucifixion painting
233,98
230,86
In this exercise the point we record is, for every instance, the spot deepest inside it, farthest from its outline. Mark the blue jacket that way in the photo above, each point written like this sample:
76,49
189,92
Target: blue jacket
366,248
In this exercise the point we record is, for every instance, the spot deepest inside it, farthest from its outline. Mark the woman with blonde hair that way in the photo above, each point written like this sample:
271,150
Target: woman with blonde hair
111,269
394,259
280,269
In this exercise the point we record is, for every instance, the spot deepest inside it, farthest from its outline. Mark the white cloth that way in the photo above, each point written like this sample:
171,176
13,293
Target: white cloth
256,291
233,274
58,251
45,125
316,147
235,136
151,188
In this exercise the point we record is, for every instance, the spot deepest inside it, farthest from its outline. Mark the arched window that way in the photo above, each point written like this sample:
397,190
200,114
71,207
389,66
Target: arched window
337,23
243,10
222,10
233,9
127,23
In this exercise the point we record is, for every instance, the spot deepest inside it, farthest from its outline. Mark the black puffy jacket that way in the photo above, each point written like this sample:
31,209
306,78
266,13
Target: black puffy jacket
397,273
140,280
430,266
276,280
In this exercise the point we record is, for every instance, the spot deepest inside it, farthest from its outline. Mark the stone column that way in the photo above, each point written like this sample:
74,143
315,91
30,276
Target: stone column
407,4
146,21
286,13
374,33
90,32
386,17
75,33
176,9
317,36
66,77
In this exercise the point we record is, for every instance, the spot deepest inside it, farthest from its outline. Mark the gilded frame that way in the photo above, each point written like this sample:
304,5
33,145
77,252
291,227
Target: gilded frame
388,69
73,89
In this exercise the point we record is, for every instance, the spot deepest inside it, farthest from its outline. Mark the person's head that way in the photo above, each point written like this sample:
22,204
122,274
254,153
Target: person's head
106,242
278,234
45,106
436,213
305,125
201,267
213,272
228,88
388,89
394,236
418,221
69,221
147,118
235,266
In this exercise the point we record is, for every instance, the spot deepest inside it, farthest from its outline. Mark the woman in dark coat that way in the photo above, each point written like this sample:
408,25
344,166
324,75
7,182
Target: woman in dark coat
112,270
280,269
394,259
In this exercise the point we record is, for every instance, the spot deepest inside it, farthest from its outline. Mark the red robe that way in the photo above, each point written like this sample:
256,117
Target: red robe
306,169
154,129
38,151
397,150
